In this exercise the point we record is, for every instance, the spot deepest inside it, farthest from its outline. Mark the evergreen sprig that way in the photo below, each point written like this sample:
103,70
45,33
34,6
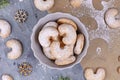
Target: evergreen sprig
4,3
63,78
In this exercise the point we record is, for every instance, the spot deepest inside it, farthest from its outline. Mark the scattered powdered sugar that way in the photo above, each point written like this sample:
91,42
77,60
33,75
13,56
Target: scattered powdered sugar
43,67
98,50
67,5
88,4
102,31
20,0
108,4
87,8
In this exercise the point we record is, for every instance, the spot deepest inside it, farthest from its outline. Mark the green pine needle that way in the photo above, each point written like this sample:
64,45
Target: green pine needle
63,78
66,78
4,3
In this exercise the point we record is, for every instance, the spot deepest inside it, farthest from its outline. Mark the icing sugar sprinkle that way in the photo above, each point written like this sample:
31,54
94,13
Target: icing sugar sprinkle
98,50
20,0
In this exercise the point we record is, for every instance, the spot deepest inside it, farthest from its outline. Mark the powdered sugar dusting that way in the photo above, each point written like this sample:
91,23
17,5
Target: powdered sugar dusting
43,67
87,8
98,50
20,0
102,31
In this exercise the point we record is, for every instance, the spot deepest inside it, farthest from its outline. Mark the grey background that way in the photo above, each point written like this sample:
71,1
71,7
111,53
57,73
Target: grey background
23,32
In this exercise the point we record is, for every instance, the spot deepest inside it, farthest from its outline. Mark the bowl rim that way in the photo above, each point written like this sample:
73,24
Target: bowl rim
52,14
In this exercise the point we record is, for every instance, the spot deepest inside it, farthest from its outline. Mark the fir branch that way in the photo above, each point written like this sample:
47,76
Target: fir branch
4,3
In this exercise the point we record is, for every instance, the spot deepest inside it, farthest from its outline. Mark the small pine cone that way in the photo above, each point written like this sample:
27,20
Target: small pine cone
25,69
21,16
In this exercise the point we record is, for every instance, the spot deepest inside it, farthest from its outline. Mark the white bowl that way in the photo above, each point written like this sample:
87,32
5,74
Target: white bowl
38,53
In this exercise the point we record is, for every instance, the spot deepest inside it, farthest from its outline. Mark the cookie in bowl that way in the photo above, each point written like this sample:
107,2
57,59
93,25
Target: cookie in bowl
60,44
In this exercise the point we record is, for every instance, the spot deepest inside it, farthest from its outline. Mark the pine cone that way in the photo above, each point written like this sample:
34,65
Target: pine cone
21,16
25,69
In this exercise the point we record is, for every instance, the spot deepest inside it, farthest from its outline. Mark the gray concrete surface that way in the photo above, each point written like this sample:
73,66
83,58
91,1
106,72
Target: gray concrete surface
23,33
